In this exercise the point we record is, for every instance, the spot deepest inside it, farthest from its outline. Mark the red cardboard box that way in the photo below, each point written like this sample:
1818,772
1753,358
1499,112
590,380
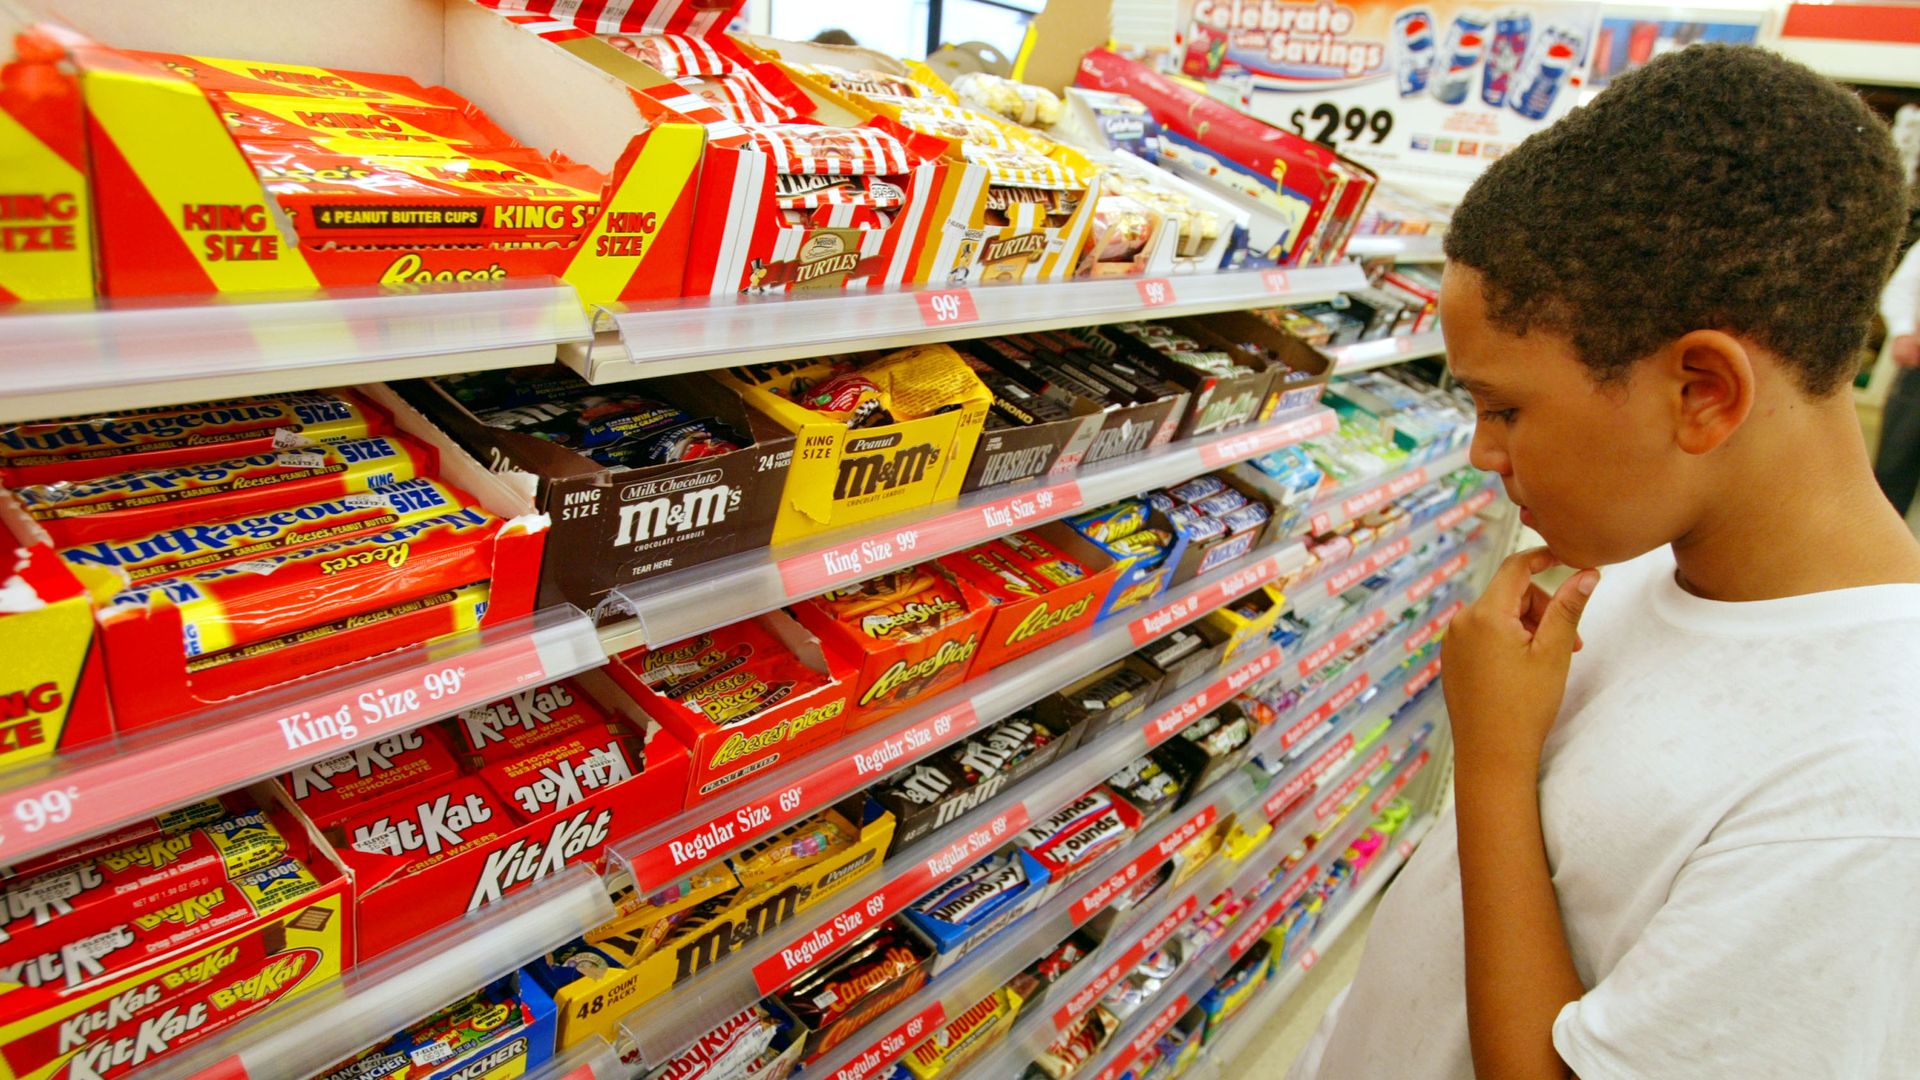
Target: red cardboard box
180,209
396,909
894,672
1022,625
152,679
721,755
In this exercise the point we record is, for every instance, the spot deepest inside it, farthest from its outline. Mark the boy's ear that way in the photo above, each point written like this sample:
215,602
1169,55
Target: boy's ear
1713,388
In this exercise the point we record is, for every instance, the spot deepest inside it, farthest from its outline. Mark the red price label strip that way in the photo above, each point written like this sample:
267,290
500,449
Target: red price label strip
1177,613
1155,936
1155,292
1274,280
1355,505
883,903
1164,726
1346,786
286,732
855,560
1095,899
947,307
1454,516
1438,623
1405,849
1251,444
1324,654
1400,782
1253,931
888,1048
1424,677
727,830
1285,795
1352,575
1144,1041
1308,959
1300,886
1436,578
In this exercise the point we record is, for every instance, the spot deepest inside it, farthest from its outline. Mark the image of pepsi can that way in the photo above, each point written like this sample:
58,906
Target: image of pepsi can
1553,60
1511,29
1413,49
1453,67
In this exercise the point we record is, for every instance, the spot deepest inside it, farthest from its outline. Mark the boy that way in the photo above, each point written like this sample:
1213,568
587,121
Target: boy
1693,850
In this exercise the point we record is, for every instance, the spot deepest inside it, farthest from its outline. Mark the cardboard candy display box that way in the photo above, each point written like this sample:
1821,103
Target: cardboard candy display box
618,526
54,696
73,1013
46,215
181,209
1036,600
1120,422
805,697
519,809
152,677
620,966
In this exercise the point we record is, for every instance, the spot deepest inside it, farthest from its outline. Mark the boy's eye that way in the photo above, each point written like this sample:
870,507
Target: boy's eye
1500,416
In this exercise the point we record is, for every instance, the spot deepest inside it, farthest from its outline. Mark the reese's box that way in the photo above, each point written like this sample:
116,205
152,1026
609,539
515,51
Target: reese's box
800,186
911,633
639,479
223,159
82,1011
1038,591
194,616
742,698
53,697
502,795
46,216
597,980
875,434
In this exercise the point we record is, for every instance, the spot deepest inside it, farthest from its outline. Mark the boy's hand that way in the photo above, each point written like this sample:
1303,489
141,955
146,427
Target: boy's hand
1504,665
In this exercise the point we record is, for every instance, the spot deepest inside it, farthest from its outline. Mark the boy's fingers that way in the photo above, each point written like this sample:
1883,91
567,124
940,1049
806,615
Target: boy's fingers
1560,626
1507,592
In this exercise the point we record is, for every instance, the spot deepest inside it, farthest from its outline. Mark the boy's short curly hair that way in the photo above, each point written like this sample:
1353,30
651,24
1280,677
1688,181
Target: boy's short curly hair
1718,187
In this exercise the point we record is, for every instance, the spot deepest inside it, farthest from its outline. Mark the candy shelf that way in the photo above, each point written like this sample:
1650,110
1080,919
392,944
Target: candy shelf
1336,508
136,774
638,341
1367,355
370,1002
706,832
1426,248
1268,1001
62,359
660,1028
687,602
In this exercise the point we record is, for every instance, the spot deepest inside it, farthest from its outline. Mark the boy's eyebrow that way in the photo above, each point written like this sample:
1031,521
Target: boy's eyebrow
1472,385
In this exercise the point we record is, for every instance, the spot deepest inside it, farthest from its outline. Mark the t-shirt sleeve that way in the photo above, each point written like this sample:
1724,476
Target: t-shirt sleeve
1788,959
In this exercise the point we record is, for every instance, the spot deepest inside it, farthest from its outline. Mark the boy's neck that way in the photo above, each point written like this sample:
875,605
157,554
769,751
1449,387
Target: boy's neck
1813,519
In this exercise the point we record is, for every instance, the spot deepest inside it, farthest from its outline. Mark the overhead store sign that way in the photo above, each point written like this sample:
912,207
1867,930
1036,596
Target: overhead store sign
1417,90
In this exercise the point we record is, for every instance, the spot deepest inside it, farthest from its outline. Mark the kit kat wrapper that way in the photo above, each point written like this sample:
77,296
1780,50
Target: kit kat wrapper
371,773
54,909
204,812
182,919
150,500
235,604
182,550
88,447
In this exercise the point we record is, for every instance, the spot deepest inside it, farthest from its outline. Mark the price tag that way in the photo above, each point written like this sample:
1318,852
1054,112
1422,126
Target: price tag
1437,577
1423,678
1328,124
1301,784
1405,849
1308,959
1178,613
1319,523
1172,720
1251,444
1455,515
1253,931
1400,782
745,823
775,972
888,1048
1300,886
1329,805
1098,897
947,307
1064,1016
856,560
1352,575
1155,292
286,730
1274,280
1325,653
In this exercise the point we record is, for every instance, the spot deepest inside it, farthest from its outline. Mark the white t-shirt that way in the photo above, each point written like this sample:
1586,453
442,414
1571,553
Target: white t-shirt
1731,805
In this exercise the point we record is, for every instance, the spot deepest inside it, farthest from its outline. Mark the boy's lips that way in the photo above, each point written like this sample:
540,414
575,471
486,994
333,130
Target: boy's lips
1526,517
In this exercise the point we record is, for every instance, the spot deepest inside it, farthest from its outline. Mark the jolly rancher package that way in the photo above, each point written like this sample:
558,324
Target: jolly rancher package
223,160
639,479
185,930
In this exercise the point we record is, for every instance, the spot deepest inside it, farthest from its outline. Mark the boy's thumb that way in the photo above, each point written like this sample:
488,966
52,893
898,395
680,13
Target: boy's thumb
1560,628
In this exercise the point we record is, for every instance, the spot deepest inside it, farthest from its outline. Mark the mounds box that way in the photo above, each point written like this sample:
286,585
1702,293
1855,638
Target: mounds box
1110,429
613,527
957,918
393,910
596,985
55,1021
726,753
153,680
1104,700
1184,655
897,663
1021,624
843,475
46,215
1300,371
53,696
180,209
